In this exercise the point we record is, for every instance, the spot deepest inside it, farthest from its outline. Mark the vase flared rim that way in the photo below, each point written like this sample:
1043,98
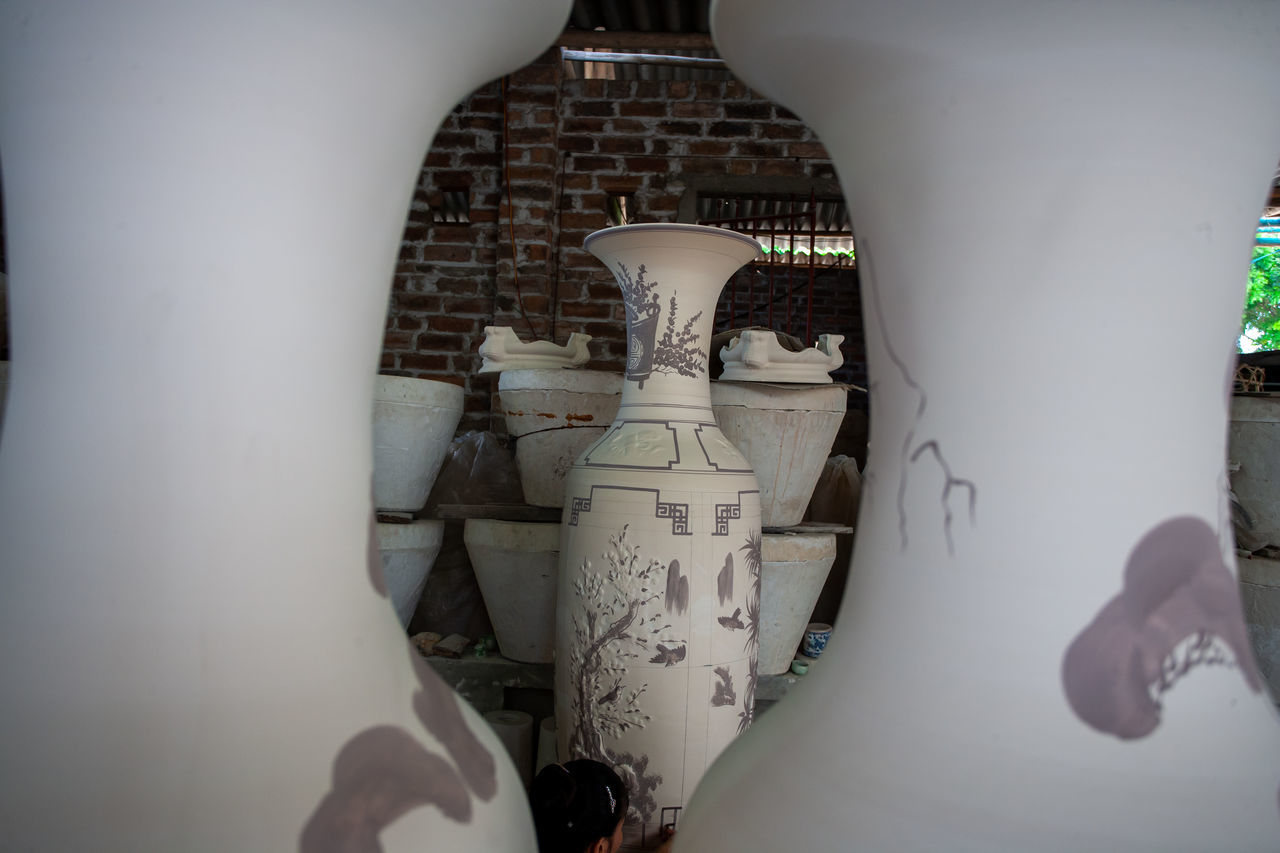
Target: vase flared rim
678,227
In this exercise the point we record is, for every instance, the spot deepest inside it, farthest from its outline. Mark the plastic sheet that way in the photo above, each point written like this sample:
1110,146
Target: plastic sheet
479,469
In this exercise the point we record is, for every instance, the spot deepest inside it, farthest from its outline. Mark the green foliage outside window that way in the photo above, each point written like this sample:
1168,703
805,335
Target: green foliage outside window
1262,305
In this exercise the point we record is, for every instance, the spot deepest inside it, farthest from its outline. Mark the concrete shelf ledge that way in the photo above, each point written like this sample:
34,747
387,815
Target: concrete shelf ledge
483,680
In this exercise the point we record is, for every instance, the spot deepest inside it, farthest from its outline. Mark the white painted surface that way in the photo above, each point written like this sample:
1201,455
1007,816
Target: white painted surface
189,634
1020,136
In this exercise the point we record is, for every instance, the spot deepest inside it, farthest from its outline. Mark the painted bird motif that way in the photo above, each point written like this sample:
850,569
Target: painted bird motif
724,694
667,656
612,695
733,622
724,580
677,588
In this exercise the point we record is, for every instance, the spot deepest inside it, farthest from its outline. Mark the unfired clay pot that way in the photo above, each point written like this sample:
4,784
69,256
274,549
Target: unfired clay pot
1041,645
408,551
516,566
794,569
199,655
659,597
786,433
413,424
554,414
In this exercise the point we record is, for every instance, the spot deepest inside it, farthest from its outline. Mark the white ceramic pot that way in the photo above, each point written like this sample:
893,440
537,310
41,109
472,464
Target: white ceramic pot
516,567
1254,447
786,433
408,551
659,597
554,415
1260,590
1041,645
199,652
794,569
413,425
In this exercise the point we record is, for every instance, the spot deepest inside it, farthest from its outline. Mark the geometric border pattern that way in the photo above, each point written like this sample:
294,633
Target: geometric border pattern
678,513
728,512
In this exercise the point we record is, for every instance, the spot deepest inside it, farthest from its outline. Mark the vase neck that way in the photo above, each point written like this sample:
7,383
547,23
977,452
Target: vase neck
668,343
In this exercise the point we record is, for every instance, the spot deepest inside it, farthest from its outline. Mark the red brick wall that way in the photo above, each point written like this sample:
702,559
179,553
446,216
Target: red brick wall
569,144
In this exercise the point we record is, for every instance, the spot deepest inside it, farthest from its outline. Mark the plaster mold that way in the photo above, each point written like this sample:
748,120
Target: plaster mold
516,567
554,415
786,433
659,596
408,551
758,356
237,176
413,425
795,566
502,350
1085,679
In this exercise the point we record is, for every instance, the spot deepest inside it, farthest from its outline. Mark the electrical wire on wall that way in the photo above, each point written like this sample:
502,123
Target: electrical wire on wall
511,215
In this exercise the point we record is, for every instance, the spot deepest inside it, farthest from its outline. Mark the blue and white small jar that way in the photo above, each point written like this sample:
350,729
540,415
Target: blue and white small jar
816,635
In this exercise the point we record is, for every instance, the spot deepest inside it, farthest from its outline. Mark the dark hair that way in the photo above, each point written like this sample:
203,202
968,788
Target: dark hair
576,804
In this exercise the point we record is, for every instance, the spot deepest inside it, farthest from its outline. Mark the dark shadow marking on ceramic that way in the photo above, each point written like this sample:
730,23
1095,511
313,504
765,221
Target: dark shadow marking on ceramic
437,707
911,451
1179,607
378,776
373,558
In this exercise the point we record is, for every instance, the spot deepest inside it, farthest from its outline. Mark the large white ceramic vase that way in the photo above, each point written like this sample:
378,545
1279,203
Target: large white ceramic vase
1042,646
659,591
204,203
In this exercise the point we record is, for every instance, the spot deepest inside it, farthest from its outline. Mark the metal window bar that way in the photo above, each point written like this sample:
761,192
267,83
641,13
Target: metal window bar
746,218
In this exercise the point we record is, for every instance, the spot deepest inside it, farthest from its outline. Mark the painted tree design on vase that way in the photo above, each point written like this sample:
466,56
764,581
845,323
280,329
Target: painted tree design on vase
678,351
614,624
752,556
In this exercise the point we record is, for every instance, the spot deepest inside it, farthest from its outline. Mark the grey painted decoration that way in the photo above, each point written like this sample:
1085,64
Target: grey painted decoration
724,580
733,621
677,512
622,622
678,351
677,597
1179,609
723,694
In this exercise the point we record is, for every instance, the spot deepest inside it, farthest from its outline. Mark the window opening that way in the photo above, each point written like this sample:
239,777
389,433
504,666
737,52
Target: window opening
799,236
452,206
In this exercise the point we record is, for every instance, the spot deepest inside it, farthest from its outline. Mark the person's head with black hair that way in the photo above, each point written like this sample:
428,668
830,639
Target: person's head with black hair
578,807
